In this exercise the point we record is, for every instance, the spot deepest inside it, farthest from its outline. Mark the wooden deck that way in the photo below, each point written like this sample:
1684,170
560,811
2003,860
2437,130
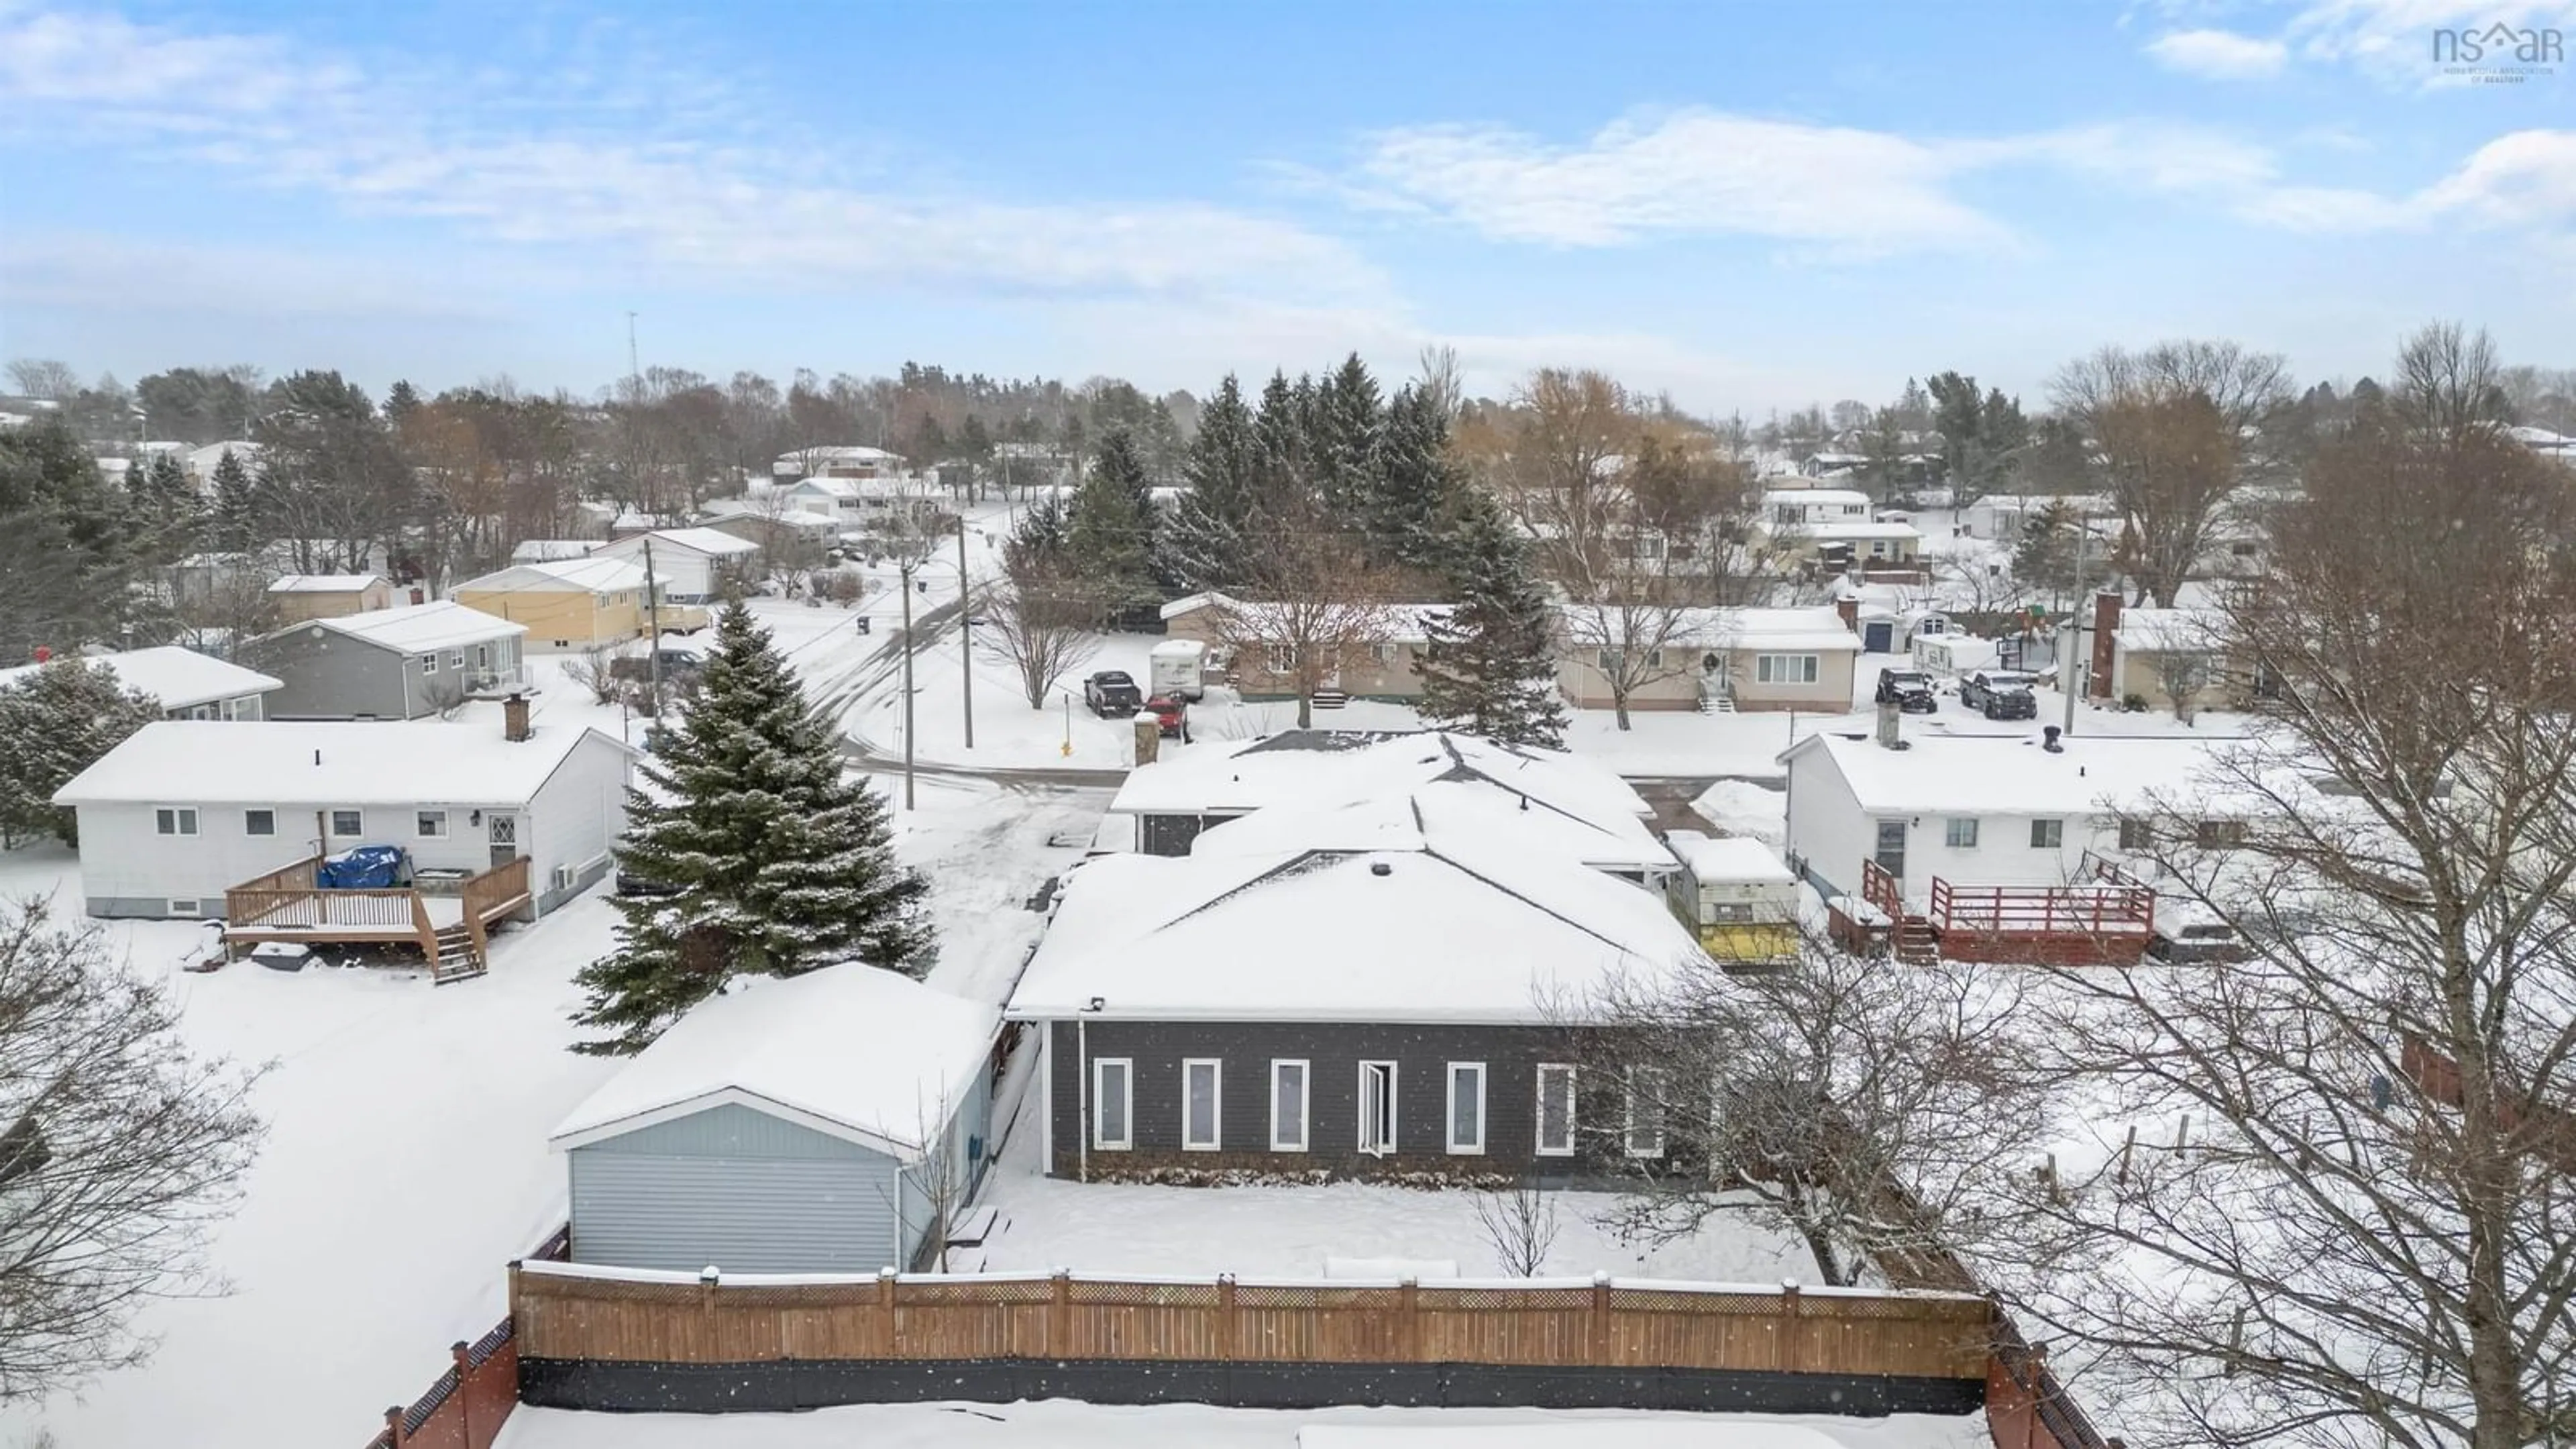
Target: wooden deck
288,905
2040,925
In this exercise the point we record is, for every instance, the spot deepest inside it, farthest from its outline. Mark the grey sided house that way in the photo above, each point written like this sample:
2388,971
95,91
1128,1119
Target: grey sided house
1405,1011
823,1123
399,663
1164,807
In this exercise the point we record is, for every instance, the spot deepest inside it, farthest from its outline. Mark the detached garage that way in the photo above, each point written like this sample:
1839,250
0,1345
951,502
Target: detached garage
788,1126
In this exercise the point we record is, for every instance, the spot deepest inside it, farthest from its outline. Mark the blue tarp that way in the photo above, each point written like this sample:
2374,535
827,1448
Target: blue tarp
364,867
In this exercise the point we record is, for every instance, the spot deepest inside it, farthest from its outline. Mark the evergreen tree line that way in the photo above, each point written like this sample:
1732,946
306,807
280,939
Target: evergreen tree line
1321,487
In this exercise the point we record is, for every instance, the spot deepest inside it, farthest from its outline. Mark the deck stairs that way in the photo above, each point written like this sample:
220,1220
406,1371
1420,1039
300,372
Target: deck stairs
458,960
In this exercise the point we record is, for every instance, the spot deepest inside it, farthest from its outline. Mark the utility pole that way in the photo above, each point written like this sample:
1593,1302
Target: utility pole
966,633
634,366
906,583
653,624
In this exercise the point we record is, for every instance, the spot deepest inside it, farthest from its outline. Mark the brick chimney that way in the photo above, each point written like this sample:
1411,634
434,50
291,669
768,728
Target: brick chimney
2106,624
514,718
1848,610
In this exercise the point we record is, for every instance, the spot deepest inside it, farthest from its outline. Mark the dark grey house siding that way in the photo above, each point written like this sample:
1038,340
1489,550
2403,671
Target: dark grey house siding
1333,1051
1172,834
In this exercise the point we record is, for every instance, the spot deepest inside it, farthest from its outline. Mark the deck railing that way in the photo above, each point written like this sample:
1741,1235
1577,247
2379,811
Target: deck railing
2086,910
494,893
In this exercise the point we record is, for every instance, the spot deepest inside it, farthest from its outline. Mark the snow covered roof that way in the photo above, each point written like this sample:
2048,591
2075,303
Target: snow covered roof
711,542
326,583
1831,528
1811,629
1736,858
836,453
2012,775
1398,623
1439,812
2155,630
1323,767
414,627
1461,931
177,677
587,574
723,508
551,550
1815,497
323,763
859,1053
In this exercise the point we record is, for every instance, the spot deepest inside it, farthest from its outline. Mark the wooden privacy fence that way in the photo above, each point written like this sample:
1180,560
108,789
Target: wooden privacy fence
571,1312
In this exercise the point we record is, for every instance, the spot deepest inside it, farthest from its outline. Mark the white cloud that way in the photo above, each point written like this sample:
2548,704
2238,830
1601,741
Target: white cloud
594,164
2525,180
96,273
2219,54
1708,173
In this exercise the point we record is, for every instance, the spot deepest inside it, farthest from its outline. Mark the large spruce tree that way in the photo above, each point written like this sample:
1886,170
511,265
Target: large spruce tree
1488,667
1110,530
1413,482
777,864
1210,530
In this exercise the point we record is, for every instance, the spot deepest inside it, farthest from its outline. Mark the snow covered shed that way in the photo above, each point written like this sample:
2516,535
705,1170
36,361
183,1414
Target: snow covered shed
1373,1012
1736,896
817,1124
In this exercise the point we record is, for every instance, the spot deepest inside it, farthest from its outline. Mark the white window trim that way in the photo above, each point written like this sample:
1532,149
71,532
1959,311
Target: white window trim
183,820
419,817
195,907
2058,844
1628,1122
1449,1123
1216,1104
1950,832
272,822
333,820
1125,1141
1305,1104
429,664
1538,1119
1394,1105
1786,669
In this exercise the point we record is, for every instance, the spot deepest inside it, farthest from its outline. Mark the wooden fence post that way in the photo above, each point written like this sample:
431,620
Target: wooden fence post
1600,1336
1225,1335
1060,1315
464,1399
1410,1291
885,1309
708,1278
1788,1344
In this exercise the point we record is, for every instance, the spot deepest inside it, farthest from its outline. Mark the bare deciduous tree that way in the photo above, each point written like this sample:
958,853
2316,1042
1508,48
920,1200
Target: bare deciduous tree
595,669
1314,600
1856,1104
1520,1222
1044,623
2344,1216
119,1151
2449,381
43,377
2175,430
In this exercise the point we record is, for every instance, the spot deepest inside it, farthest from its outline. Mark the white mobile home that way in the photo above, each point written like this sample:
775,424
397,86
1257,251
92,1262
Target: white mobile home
183,810
186,684
689,565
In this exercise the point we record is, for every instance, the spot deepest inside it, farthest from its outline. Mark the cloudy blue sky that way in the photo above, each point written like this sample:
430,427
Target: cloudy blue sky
1751,206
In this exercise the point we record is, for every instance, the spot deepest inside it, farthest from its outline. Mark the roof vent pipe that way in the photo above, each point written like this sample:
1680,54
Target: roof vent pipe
1379,867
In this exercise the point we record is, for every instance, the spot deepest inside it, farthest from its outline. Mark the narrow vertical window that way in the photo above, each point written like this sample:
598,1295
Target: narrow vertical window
1466,1108
1201,1085
1555,1110
1377,1108
1645,1115
1112,1104
1287,1106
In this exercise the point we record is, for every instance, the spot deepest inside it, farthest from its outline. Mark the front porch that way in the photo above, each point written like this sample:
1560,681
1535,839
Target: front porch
450,919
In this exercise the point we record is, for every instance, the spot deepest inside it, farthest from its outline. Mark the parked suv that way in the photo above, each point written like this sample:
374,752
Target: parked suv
1908,689
1112,692
1978,688
2005,702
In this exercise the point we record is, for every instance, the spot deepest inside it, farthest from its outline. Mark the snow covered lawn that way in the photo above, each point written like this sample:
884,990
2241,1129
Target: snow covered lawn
405,1162
1288,1231
1062,1424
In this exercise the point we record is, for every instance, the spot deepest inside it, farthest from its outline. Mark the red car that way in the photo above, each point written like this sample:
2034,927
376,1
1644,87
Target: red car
1172,715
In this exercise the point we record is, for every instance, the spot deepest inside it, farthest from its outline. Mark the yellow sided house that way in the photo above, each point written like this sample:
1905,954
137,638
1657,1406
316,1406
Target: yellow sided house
566,604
